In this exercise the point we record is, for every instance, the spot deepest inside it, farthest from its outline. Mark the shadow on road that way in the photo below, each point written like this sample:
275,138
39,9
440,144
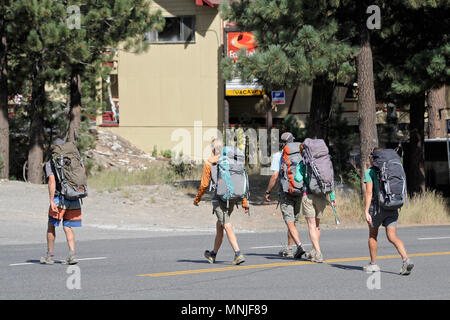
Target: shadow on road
359,268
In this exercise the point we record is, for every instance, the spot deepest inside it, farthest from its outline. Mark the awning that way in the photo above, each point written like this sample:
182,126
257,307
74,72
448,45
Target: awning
211,3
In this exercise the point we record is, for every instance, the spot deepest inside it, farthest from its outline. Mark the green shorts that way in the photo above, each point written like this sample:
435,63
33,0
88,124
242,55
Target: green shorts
223,212
290,207
314,205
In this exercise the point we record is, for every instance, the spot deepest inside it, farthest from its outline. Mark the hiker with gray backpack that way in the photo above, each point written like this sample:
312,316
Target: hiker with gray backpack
385,194
318,178
67,185
225,173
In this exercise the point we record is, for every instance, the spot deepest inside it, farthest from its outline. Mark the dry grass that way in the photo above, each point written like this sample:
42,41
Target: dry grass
110,180
427,208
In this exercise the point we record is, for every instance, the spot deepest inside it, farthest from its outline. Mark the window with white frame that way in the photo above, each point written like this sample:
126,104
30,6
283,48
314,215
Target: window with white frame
176,29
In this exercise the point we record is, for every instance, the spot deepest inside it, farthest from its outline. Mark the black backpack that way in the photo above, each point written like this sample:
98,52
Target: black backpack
391,179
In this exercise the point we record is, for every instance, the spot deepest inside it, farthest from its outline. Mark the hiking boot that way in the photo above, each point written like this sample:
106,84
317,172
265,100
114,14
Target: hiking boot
238,259
371,268
48,259
310,255
71,259
406,267
317,257
299,252
209,256
287,252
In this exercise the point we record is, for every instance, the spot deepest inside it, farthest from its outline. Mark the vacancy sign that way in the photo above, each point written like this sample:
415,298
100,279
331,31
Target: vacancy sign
278,97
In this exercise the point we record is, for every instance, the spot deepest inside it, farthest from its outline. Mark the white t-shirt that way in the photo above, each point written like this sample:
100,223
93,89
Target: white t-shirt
276,161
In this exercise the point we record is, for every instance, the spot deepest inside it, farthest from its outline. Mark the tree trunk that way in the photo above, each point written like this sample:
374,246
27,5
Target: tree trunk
366,104
226,115
75,106
36,150
4,122
436,108
415,169
319,113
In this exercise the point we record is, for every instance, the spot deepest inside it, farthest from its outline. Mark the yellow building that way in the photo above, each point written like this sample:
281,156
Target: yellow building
176,84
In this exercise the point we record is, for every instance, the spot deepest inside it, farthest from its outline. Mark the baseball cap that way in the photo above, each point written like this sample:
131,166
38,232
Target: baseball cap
287,137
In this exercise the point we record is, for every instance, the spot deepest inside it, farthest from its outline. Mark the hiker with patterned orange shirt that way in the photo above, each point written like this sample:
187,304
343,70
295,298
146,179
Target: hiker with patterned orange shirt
222,209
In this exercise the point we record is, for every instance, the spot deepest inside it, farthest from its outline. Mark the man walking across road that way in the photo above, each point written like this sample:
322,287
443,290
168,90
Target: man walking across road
61,210
377,216
289,204
221,208
317,172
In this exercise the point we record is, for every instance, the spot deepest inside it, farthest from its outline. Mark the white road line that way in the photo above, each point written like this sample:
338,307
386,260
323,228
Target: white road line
30,263
437,238
268,247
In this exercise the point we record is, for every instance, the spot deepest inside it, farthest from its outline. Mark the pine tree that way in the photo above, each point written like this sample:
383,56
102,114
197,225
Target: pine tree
104,26
412,53
297,44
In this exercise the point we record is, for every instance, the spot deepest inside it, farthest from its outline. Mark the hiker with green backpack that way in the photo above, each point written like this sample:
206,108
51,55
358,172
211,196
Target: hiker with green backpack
385,194
67,184
225,173
318,179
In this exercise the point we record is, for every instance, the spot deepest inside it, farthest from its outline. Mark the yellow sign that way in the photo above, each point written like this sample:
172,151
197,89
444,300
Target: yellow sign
245,92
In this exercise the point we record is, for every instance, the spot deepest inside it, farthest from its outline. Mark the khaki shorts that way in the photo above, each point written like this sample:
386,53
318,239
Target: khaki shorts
290,207
222,212
314,205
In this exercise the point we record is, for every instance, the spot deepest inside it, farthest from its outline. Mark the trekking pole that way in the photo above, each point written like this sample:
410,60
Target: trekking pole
336,218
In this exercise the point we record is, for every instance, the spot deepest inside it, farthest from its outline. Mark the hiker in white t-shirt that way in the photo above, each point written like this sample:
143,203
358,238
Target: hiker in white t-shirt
290,210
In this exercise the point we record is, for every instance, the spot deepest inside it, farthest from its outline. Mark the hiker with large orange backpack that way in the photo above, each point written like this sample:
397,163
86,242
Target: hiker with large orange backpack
291,188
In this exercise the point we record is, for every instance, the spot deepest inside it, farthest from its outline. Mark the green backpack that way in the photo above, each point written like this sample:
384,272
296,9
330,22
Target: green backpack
70,171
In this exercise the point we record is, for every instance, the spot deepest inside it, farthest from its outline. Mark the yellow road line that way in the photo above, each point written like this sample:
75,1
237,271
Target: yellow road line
283,264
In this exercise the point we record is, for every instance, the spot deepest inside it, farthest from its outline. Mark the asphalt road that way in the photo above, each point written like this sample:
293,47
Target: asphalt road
171,266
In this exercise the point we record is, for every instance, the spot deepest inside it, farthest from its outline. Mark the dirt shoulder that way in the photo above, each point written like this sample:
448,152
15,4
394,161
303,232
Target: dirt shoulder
155,207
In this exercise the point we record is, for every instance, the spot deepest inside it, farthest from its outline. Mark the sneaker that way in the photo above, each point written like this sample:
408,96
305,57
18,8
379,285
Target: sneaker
310,255
406,267
209,256
287,252
71,259
299,252
238,259
371,268
318,257
48,259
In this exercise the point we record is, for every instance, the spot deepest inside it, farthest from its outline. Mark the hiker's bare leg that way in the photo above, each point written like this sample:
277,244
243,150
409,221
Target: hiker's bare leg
290,240
231,236
373,244
292,229
391,233
51,236
70,236
314,232
219,236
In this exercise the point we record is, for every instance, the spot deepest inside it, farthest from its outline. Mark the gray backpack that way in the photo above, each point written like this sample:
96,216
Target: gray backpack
391,179
290,160
70,171
319,167
229,180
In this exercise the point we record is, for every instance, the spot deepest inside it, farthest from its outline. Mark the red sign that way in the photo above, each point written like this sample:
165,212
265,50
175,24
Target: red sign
240,40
